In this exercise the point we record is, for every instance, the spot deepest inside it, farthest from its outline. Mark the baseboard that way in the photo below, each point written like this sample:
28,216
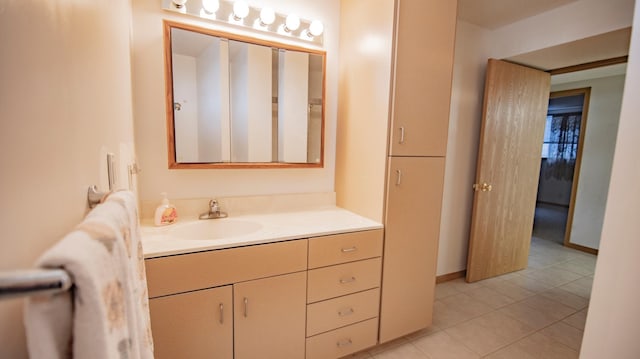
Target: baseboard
451,276
581,248
553,204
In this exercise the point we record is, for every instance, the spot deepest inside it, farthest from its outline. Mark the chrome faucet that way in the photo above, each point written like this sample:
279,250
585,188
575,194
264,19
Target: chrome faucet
214,211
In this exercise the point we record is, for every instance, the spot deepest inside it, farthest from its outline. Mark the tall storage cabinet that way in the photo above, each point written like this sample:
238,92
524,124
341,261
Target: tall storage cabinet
392,136
414,198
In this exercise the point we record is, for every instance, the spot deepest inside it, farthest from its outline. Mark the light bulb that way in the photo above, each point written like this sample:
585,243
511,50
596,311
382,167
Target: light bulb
240,10
267,16
292,23
316,28
210,6
179,3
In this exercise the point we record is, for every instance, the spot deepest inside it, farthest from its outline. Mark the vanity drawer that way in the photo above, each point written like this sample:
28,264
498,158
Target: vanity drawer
343,341
342,248
338,280
192,271
339,312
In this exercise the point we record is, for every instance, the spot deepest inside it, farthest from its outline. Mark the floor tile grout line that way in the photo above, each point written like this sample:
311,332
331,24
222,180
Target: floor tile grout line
556,340
420,350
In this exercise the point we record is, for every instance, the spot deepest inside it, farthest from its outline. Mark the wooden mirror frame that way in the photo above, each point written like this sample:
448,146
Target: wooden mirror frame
168,66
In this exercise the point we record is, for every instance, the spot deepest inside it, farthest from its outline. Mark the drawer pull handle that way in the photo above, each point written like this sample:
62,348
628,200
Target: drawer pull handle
344,343
246,307
221,313
345,312
401,135
350,249
347,280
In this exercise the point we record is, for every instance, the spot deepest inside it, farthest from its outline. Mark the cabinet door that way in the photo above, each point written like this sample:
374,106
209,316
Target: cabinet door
269,317
423,72
414,198
193,325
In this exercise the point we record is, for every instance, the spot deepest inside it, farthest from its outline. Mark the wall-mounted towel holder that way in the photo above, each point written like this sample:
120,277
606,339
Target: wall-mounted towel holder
95,197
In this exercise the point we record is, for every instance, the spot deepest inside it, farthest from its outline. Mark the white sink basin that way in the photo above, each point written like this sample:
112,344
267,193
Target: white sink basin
215,229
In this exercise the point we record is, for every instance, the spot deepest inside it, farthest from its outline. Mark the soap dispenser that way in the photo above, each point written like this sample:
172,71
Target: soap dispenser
166,213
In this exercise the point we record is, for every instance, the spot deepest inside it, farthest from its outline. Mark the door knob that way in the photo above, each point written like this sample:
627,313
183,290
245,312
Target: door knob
484,187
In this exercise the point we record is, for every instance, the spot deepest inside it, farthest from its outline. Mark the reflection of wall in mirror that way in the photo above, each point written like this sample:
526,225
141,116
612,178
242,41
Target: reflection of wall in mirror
293,106
251,97
213,103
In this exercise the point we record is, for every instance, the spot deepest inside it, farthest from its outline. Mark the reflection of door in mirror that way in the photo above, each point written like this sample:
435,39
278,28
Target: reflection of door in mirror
293,106
201,115
235,103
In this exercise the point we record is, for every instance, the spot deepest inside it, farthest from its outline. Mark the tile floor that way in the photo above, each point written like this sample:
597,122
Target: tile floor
538,312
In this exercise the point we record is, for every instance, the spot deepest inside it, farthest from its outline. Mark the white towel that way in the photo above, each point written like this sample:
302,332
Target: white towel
106,313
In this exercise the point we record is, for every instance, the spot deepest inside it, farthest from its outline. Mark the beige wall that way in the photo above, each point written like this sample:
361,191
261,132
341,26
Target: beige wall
577,20
65,100
149,113
470,61
612,323
365,78
597,157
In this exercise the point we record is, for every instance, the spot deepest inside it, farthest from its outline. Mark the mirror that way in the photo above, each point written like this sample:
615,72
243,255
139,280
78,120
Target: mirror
236,102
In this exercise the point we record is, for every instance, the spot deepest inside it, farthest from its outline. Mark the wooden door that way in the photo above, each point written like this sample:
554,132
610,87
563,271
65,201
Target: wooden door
514,112
269,317
414,198
424,47
193,325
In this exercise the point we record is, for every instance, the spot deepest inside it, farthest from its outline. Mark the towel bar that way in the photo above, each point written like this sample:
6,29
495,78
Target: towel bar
21,283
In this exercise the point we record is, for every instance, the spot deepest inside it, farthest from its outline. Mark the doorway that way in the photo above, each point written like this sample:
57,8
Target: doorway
560,164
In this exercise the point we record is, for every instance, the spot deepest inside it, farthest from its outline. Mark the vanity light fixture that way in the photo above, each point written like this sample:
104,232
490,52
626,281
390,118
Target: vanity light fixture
292,23
261,18
210,6
316,28
179,3
267,16
240,10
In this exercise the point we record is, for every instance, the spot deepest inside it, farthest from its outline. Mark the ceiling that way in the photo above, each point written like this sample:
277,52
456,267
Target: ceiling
492,14
600,47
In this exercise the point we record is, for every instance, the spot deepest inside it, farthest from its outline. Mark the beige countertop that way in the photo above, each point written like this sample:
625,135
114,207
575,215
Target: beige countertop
195,235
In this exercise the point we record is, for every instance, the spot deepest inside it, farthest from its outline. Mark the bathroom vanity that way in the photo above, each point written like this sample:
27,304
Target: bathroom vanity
301,284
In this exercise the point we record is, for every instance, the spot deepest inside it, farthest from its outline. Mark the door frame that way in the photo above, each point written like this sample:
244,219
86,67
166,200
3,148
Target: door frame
586,91
583,126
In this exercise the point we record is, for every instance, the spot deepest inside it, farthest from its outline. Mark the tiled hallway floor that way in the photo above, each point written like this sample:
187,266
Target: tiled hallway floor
538,312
